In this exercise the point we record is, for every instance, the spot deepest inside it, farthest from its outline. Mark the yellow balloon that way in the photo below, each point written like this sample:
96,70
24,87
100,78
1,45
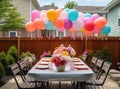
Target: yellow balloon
82,30
52,14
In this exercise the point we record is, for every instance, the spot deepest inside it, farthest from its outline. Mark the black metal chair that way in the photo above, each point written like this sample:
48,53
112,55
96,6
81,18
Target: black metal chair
25,84
93,62
104,70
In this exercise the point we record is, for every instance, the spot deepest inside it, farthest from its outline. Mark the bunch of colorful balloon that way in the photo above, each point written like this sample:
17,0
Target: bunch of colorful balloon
67,19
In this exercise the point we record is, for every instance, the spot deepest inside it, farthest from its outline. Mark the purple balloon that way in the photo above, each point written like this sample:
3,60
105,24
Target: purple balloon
67,23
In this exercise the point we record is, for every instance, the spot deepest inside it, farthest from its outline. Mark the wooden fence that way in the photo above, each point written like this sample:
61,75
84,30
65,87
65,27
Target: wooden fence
38,46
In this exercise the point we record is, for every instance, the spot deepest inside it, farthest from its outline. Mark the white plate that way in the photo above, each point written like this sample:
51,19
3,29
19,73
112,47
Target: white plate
78,63
81,67
45,63
42,67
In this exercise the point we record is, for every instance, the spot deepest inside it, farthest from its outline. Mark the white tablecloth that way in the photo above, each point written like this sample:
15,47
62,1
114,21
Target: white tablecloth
52,74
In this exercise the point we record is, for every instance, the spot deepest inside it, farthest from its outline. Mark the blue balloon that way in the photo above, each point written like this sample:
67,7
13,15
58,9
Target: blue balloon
54,28
106,29
73,14
66,9
48,25
87,15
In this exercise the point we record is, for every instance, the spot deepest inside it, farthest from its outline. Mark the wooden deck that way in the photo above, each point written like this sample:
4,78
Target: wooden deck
109,84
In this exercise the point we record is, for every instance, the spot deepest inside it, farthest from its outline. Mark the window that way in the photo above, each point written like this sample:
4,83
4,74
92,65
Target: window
118,21
12,33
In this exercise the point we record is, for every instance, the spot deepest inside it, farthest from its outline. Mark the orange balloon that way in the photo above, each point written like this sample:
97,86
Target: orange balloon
59,22
87,32
72,29
52,14
30,27
100,22
59,11
39,24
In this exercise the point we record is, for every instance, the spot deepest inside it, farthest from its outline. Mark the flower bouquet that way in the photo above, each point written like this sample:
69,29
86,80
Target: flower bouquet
59,62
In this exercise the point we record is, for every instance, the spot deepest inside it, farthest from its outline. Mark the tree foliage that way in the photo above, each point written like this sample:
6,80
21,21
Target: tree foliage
70,4
10,16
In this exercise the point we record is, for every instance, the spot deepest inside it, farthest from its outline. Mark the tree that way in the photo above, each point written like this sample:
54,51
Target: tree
53,4
70,4
10,16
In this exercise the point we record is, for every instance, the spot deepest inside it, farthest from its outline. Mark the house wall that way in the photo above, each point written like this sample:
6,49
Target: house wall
24,8
113,16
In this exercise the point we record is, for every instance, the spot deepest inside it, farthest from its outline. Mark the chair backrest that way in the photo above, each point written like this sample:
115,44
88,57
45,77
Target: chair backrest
93,62
105,69
23,67
98,67
16,70
33,57
99,63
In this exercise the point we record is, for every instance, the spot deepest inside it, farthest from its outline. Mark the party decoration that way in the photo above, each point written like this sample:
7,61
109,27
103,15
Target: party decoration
100,22
35,14
78,24
106,29
59,11
68,19
96,30
89,25
39,24
52,14
67,24
30,27
81,15
66,9
59,22
43,16
48,25
63,14
72,30
61,29
54,28
73,14
87,15
94,17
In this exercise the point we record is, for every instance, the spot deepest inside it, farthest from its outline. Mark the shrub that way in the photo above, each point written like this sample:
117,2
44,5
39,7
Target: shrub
2,70
24,55
3,60
10,59
13,52
104,54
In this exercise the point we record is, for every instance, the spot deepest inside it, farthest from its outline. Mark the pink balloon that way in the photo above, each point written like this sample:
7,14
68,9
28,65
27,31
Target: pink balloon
94,17
43,16
87,19
78,24
61,29
64,14
80,16
35,14
96,30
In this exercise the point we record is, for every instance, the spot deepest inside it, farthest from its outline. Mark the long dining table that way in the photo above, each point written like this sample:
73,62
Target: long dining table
75,70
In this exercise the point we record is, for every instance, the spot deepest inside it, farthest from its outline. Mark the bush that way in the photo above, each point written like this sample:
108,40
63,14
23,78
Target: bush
13,52
10,59
2,70
3,60
24,55
104,54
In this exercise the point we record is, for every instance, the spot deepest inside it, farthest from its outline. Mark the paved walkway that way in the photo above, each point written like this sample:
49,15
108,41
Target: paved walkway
109,84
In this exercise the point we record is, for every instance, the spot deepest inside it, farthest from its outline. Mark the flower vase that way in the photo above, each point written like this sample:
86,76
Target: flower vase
61,68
